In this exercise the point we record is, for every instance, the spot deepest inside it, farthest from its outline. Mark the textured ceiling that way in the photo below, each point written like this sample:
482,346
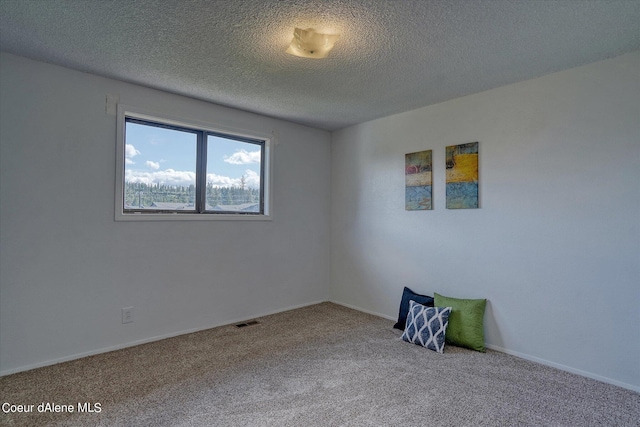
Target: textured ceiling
392,56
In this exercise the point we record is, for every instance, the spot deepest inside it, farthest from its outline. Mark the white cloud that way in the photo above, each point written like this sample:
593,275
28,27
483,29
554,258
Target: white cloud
221,181
128,161
243,157
130,151
174,177
251,180
153,165
168,177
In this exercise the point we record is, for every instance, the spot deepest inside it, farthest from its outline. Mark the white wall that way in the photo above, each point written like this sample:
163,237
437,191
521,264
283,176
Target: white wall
67,268
555,246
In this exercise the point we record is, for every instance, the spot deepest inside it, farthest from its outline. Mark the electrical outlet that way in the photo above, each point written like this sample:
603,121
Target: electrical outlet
127,315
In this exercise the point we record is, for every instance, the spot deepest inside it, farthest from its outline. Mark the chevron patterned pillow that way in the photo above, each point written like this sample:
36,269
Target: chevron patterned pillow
426,326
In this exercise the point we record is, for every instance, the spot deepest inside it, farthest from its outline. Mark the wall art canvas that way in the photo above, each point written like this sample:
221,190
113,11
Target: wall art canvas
462,176
417,178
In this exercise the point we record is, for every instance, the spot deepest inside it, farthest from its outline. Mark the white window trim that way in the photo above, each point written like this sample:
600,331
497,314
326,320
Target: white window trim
143,114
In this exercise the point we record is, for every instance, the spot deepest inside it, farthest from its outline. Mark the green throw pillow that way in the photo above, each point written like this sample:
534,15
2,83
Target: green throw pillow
466,321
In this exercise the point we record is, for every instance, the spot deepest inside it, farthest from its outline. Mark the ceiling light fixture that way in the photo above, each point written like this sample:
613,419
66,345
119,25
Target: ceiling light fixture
309,44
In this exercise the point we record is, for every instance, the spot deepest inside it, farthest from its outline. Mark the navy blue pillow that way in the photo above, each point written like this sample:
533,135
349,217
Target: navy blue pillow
408,295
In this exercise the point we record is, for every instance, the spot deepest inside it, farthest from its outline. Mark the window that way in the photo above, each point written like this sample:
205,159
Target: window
170,169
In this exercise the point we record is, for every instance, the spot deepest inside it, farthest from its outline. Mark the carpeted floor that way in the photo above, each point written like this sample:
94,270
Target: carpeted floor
323,365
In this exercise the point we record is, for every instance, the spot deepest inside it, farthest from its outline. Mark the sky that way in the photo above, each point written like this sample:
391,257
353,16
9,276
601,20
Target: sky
165,156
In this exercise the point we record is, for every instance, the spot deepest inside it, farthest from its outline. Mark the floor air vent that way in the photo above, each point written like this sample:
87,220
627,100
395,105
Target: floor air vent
249,323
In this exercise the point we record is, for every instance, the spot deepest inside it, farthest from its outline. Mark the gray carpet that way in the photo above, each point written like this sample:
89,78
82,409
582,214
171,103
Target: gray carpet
323,365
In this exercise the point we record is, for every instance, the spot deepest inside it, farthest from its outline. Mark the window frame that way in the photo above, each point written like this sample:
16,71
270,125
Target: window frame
204,129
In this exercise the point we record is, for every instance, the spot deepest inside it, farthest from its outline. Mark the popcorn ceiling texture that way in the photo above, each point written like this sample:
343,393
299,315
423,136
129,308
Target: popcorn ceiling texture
392,56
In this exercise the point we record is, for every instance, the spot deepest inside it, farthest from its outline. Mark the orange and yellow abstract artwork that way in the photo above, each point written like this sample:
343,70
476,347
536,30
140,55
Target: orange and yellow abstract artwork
462,176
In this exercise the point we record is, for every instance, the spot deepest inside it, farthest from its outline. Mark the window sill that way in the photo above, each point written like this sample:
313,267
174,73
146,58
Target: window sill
189,217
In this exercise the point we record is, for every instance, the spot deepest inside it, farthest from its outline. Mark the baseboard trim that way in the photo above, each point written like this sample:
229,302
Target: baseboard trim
268,313
523,356
363,310
147,340
565,368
